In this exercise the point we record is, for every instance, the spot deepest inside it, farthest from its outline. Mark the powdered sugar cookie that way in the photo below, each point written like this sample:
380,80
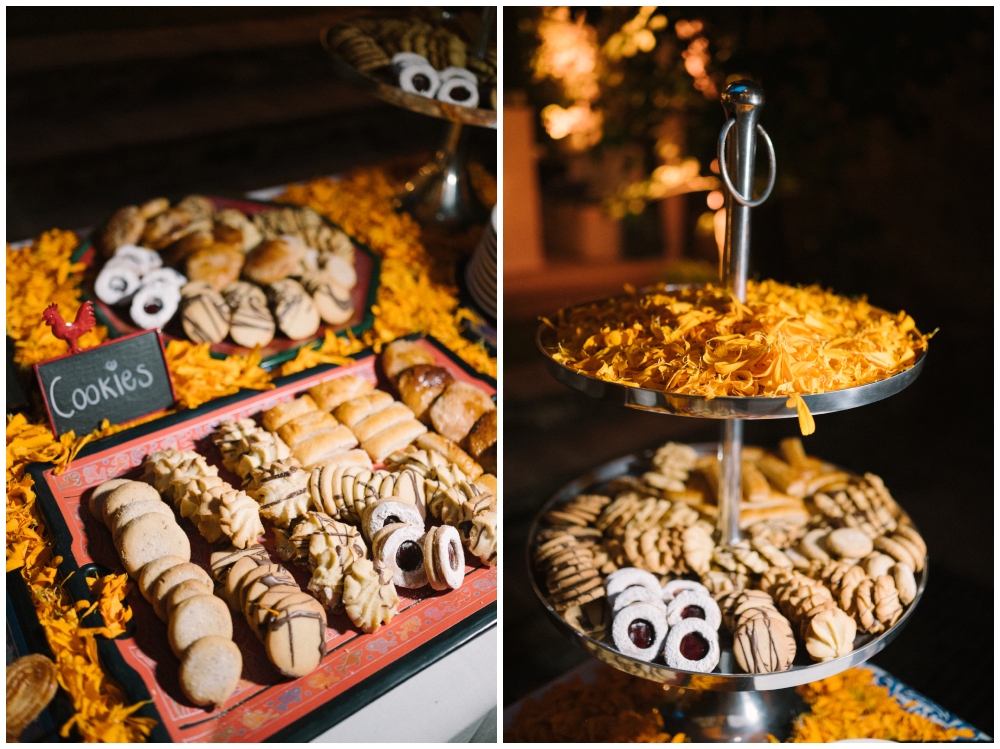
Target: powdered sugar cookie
692,645
638,630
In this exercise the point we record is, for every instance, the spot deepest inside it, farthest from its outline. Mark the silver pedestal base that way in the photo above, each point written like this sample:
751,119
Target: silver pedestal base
731,716
441,193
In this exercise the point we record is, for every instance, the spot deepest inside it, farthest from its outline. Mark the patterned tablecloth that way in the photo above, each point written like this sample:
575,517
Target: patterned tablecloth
921,705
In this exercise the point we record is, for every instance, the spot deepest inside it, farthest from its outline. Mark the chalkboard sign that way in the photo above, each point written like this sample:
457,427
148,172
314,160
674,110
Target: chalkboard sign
121,380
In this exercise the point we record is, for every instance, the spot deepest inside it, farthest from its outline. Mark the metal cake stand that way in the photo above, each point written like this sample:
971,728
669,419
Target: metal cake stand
440,193
725,705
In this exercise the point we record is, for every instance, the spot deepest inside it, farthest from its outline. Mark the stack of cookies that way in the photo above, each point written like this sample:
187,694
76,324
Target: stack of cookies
290,622
156,554
763,641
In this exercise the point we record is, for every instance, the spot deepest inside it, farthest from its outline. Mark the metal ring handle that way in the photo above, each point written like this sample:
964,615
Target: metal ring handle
725,172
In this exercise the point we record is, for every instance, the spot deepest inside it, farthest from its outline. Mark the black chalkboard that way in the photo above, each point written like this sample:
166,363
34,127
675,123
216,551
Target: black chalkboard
121,380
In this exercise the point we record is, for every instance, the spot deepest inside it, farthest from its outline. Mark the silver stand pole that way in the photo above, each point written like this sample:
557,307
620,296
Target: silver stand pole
742,101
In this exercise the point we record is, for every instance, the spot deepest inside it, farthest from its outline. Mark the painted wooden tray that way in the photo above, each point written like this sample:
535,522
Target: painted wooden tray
357,668
281,349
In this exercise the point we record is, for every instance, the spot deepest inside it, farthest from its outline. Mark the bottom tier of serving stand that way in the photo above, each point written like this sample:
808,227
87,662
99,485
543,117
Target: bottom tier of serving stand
726,704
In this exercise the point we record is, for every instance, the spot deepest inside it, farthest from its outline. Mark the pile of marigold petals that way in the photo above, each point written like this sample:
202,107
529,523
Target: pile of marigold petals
198,378
784,341
38,276
101,709
410,298
850,706
615,708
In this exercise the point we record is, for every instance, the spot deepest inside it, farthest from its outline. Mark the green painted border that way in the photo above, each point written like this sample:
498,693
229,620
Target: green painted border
326,715
367,320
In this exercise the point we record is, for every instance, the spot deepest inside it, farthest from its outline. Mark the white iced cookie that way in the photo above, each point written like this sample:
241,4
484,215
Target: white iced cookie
635,594
626,577
397,547
386,512
673,587
116,283
692,645
639,629
155,305
691,604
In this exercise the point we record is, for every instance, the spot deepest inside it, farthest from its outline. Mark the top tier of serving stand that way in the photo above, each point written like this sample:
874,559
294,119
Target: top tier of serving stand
723,705
440,193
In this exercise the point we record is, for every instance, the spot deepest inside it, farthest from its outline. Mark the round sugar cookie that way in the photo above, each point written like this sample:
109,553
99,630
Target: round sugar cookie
152,571
125,515
182,591
132,491
269,572
95,505
197,617
267,606
171,579
151,537
210,670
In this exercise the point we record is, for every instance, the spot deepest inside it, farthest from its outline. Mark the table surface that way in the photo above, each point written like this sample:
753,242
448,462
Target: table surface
920,704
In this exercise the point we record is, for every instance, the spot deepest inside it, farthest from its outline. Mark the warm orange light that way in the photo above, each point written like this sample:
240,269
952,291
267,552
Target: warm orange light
715,200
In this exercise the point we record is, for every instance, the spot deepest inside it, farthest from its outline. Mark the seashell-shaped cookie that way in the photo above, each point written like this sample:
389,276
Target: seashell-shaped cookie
369,596
231,439
239,519
830,635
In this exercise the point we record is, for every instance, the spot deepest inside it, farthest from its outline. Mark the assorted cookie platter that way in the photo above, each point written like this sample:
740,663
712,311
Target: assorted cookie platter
288,545
829,571
232,273
429,66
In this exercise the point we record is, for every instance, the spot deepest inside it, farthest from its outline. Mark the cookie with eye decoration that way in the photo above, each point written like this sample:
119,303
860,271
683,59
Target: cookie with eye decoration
673,587
444,558
690,604
635,594
639,629
692,645
397,547
626,577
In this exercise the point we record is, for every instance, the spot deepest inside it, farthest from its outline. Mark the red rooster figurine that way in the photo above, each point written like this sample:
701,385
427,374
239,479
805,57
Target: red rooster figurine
70,332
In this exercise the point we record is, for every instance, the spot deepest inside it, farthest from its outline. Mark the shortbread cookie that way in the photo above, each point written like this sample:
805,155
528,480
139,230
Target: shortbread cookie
127,513
188,494
830,635
877,563
849,543
885,544
397,547
370,598
692,645
270,574
639,630
237,573
173,577
295,636
888,609
183,591
210,670
197,617
444,559
330,566
148,538
133,491
294,310
283,496
265,607
764,645
96,502
152,571
262,593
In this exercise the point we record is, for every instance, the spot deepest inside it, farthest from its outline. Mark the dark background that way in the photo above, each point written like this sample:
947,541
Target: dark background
110,106
882,121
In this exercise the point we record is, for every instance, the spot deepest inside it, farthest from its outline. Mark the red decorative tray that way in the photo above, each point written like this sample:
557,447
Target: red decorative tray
264,704
366,265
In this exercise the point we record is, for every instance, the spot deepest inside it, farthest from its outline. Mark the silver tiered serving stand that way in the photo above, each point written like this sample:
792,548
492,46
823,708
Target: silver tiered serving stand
727,704
440,193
